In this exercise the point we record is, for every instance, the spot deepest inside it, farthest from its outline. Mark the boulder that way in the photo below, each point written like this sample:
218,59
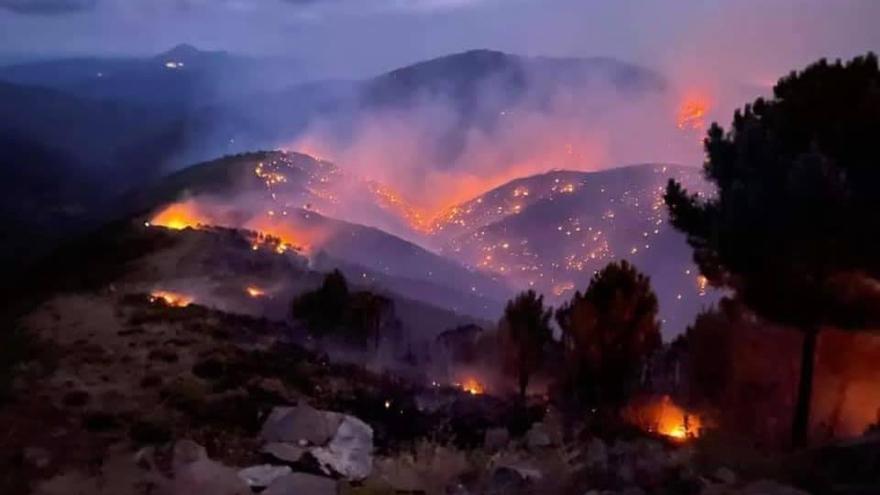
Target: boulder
286,452
263,475
195,473
538,437
350,452
302,484
302,425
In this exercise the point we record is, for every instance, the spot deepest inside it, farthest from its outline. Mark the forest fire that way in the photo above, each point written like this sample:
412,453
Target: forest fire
472,386
174,299
692,113
276,232
281,234
663,416
178,216
417,219
255,292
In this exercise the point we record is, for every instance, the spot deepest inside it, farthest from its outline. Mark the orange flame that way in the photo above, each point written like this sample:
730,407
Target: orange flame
665,417
255,292
169,298
692,113
284,231
472,386
179,216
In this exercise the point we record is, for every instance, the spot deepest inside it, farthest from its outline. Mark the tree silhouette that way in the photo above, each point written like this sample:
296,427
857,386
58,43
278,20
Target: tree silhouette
370,313
608,333
324,310
359,318
525,330
793,228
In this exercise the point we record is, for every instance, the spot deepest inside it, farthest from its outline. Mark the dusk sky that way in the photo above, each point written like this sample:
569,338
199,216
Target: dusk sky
756,39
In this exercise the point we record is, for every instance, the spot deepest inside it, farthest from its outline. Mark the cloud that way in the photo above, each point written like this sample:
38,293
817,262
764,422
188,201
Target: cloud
47,7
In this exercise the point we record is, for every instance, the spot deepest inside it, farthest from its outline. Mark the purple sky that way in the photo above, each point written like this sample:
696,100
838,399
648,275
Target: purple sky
755,39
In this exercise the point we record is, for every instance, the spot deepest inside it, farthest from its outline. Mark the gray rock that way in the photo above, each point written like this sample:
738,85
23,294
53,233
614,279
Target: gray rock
302,484
496,439
195,473
302,424
263,475
538,437
286,452
350,452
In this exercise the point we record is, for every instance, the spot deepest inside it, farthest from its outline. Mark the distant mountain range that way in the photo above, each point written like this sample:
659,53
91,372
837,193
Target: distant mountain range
121,122
182,76
111,125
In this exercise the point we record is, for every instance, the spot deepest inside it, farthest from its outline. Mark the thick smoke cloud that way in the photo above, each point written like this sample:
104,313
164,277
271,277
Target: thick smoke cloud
437,154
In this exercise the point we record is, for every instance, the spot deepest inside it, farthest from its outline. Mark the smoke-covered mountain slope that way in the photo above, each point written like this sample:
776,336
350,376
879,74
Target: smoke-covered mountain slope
550,231
303,202
466,77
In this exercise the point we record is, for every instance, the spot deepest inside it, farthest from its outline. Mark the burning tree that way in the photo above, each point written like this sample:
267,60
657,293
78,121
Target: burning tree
609,332
524,332
793,229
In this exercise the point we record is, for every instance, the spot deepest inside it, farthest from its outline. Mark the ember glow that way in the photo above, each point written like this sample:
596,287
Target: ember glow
664,417
174,299
179,216
254,291
272,229
472,386
692,113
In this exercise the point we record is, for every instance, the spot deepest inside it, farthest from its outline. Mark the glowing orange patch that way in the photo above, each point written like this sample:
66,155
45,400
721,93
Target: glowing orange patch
169,298
179,216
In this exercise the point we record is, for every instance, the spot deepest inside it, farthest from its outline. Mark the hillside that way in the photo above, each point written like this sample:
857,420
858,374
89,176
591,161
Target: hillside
181,76
466,77
310,204
553,231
